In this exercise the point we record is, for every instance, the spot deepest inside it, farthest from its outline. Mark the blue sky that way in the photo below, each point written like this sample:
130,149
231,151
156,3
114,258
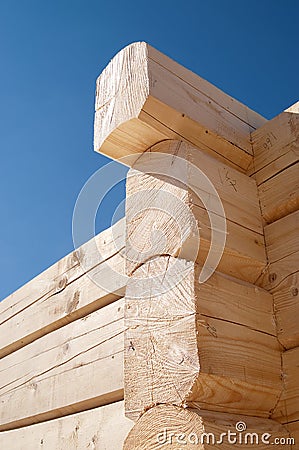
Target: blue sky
52,52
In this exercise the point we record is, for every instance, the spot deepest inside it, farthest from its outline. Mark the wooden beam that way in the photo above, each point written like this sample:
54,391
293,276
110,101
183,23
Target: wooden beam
177,428
178,349
279,196
275,164
275,146
144,97
91,348
281,279
171,195
70,289
287,409
282,237
286,304
282,244
74,368
105,427
102,247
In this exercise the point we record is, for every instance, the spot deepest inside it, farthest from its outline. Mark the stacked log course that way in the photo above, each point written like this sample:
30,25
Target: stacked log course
61,371
176,352
276,170
154,334
185,349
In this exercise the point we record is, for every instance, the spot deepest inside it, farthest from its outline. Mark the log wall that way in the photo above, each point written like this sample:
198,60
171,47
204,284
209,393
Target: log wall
61,371
121,339
276,170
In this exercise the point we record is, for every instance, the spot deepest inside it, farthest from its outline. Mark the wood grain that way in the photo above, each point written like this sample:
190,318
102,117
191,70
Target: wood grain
144,95
74,368
80,283
177,428
279,196
275,146
287,409
176,351
102,428
293,428
286,302
170,203
282,237
281,276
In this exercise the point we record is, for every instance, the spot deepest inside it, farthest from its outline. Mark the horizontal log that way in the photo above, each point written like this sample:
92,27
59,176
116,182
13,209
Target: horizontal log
76,367
283,252
286,302
281,277
80,283
289,156
279,196
39,376
287,409
276,273
275,146
177,428
171,200
282,237
105,427
189,167
177,350
102,247
144,97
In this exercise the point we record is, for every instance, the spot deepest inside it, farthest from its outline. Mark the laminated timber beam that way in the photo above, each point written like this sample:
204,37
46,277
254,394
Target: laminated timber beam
144,97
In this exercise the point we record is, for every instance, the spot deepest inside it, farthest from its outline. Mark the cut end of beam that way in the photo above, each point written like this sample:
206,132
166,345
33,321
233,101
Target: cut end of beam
121,92
177,351
144,97
167,426
160,335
